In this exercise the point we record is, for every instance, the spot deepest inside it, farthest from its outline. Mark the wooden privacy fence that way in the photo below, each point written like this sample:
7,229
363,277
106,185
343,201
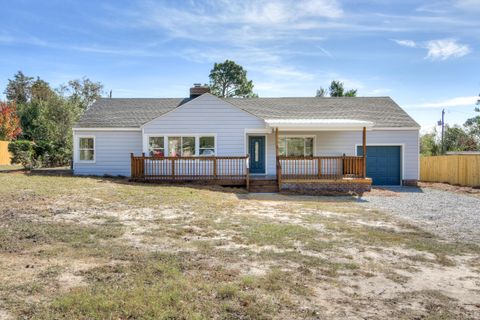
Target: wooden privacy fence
4,154
319,168
461,170
233,169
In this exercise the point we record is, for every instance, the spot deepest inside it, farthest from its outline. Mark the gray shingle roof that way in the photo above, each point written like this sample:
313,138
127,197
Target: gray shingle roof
382,111
126,112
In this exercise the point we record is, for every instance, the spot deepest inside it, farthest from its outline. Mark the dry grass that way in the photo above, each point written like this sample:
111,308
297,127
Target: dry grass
90,248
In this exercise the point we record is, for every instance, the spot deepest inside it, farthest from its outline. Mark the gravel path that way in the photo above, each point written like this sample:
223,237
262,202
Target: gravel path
450,215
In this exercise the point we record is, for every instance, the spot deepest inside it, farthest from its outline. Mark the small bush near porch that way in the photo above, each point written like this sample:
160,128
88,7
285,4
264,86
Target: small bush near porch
91,248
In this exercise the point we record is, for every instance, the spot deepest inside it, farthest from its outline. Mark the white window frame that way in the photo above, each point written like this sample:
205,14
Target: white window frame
197,151
146,146
181,144
313,137
77,149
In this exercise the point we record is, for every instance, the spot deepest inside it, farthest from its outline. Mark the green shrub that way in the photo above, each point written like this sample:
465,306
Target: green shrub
22,153
40,154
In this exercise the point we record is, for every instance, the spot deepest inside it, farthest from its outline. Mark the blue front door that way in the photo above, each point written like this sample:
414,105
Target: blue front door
256,150
383,164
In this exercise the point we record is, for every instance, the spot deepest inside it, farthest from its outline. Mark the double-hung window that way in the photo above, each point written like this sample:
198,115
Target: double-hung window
181,146
207,146
156,146
295,146
86,149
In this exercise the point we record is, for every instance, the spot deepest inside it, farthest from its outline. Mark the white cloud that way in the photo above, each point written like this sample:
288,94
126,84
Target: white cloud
406,43
286,72
446,48
441,49
452,102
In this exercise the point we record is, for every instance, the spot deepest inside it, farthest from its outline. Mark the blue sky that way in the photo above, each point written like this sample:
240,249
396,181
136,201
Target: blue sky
425,55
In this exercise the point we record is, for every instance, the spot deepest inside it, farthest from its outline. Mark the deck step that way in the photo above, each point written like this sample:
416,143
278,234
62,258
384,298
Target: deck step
263,185
269,182
263,189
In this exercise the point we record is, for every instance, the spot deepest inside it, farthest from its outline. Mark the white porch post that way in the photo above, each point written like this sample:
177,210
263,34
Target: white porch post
364,140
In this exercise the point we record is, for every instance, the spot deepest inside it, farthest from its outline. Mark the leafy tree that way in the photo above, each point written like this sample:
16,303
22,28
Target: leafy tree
19,89
9,121
473,124
229,79
429,145
322,92
336,89
22,153
457,139
46,116
40,90
82,92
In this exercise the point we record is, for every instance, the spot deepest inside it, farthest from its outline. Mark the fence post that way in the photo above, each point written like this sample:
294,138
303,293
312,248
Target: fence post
142,165
132,166
173,168
215,168
319,165
247,172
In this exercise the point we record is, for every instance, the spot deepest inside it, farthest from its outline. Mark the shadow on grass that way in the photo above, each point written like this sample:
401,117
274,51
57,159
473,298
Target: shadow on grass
239,191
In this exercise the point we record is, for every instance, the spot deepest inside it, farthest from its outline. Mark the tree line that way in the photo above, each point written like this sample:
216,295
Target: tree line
39,118
456,137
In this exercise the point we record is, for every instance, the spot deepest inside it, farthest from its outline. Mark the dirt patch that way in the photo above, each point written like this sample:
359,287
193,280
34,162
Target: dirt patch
380,192
130,250
451,188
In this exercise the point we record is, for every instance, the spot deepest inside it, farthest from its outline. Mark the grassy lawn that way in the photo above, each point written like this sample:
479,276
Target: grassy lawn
86,248
10,167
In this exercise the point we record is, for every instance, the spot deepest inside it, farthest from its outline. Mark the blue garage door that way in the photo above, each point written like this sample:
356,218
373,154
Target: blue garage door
383,164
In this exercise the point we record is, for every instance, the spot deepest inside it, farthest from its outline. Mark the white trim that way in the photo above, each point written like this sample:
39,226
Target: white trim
314,137
253,131
247,147
402,154
146,138
319,124
396,129
106,129
266,130
322,128
76,149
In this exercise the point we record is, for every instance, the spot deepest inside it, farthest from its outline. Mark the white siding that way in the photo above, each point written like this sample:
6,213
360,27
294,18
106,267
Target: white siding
336,143
112,152
207,115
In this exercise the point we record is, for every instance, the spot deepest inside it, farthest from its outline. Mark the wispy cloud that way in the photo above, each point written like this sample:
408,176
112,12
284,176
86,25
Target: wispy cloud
441,49
452,102
406,43
446,48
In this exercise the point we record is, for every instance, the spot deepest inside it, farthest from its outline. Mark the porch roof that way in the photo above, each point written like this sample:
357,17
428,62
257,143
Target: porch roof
318,124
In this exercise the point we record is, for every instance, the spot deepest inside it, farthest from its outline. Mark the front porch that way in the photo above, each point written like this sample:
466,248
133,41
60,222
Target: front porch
301,174
295,164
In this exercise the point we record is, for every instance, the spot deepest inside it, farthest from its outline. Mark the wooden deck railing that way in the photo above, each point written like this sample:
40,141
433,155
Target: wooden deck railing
189,168
320,168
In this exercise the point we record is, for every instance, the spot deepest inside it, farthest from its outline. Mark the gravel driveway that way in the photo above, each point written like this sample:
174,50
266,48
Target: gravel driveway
447,214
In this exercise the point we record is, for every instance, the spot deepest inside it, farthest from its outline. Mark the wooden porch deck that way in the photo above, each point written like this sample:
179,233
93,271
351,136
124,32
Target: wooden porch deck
234,170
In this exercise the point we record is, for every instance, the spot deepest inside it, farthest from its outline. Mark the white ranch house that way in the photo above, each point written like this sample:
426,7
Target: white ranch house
312,142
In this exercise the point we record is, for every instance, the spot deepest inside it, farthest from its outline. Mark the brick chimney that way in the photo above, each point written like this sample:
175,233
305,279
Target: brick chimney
197,90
